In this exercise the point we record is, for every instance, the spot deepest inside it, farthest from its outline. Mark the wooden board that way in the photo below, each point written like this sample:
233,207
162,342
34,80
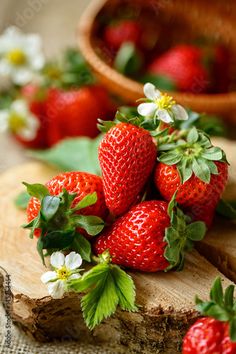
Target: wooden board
167,300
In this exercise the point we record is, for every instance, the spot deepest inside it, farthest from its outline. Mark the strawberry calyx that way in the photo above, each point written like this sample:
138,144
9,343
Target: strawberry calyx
221,306
180,236
192,152
129,115
59,222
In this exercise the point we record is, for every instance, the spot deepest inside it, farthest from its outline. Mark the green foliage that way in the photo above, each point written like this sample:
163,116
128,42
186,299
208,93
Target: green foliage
22,200
227,209
58,222
221,306
70,72
180,236
76,154
210,124
128,60
163,83
106,287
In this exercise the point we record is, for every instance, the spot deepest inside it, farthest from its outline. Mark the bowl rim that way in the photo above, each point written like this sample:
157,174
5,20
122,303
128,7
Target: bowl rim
112,78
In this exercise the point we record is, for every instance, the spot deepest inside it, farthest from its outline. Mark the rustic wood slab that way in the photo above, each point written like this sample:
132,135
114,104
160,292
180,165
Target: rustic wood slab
167,299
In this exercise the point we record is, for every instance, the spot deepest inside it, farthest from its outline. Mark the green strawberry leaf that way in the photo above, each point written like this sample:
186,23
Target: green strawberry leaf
213,153
162,82
100,302
82,246
107,286
40,249
229,296
216,293
125,289
36,190
170,158
75,154
192,136
128,60
232,329
180,235
32,225
49,207
89,279
201,170
104,126
93,225
222,306
218,313
22,200
196,231
58,239
88,200
226,209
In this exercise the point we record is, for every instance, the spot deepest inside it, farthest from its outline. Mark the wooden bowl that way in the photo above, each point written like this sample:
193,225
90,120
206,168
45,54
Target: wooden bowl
200,17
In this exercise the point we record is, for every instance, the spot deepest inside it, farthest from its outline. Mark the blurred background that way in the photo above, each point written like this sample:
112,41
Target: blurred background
56,22
49,94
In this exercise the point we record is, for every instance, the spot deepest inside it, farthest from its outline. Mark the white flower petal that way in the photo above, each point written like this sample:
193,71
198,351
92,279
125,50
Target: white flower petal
146,109
179,112
5,68
151,92
20,107
74,276
56,289
57,260
164,116
73,261
37,62
48,276
22,76
4,121
30,131
31,46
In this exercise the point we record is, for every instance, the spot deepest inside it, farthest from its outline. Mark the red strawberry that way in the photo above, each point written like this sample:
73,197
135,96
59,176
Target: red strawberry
80,183
208,336
198,197
137,239
214,334
123,31
75,112
183,65
127,156
199,173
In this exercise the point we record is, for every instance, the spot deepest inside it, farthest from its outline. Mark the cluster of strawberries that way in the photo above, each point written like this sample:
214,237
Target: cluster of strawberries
158,194
183,67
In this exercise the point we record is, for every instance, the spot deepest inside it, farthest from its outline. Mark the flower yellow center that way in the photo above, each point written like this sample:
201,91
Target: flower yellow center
165,102
16,57
63,273
16,122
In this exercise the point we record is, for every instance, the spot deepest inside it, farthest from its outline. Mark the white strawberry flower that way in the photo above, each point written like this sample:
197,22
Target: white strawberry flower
18,120
161,106
20,56
65,268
